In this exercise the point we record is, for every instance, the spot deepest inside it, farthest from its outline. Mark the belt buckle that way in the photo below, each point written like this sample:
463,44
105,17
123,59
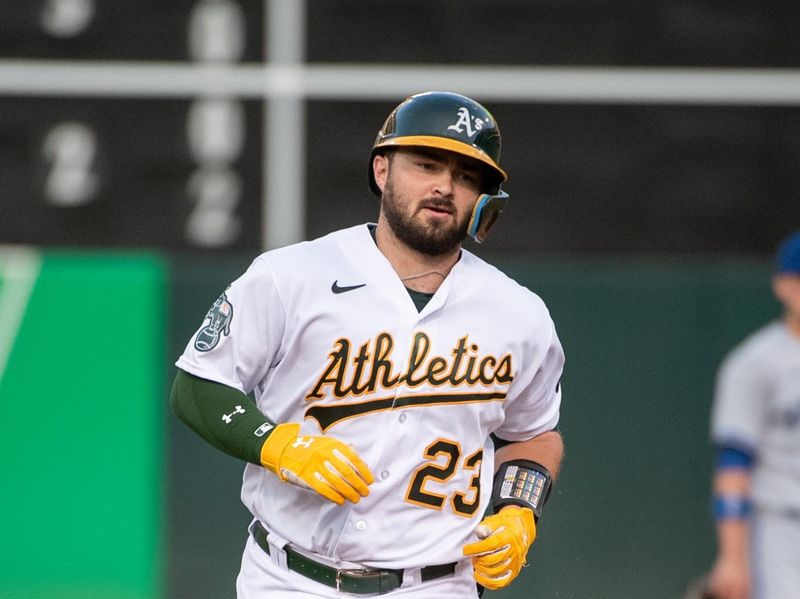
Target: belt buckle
338,581
357,578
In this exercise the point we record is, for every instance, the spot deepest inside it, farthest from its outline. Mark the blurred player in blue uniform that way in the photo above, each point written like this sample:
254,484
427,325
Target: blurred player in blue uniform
755,426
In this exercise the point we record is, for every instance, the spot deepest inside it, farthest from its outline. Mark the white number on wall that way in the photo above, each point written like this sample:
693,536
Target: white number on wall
216,31
66,18
69,150
215,193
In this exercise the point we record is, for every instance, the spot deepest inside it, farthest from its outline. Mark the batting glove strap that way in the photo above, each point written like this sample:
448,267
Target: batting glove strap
324,464
502,551
524,483
276,443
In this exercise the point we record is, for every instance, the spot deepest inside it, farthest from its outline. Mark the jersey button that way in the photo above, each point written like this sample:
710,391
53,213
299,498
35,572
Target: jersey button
403,417
384,475
361,525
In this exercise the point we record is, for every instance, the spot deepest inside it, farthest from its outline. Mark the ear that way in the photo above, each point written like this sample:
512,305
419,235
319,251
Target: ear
380,170
779,287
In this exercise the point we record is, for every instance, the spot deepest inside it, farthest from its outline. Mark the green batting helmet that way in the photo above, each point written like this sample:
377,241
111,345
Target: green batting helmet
449,121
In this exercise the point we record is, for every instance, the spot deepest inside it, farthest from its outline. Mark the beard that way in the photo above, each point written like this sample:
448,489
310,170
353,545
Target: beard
429,237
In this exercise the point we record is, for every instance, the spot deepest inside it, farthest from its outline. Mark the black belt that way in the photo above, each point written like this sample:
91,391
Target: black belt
359,582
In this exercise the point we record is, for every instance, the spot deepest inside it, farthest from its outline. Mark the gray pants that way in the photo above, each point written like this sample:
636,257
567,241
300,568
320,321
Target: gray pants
775,555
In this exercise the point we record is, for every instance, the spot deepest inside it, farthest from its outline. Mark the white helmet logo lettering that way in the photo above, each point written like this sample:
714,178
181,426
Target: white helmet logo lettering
466,122
219,323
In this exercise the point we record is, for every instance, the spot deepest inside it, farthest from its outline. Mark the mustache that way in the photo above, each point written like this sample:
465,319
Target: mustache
439,203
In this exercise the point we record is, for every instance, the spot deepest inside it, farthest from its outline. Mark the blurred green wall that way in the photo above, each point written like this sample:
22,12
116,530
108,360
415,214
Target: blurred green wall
81,453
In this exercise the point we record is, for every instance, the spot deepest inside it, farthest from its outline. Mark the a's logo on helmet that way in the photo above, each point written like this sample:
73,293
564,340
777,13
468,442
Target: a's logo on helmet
467,123
219,323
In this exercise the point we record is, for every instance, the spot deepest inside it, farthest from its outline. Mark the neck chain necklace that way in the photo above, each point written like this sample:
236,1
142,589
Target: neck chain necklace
424,274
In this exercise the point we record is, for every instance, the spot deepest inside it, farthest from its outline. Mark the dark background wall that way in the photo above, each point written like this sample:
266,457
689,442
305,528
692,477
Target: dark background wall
586,177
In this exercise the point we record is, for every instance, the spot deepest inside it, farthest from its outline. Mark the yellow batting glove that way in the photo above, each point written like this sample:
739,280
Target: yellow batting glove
505,539
326,465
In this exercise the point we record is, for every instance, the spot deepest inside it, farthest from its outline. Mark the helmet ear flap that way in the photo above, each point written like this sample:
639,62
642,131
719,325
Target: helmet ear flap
487,208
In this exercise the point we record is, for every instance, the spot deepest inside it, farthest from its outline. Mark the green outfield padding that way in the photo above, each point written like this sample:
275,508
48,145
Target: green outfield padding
81,451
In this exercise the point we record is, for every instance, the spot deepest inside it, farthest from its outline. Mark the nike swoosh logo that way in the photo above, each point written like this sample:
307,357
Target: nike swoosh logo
336,289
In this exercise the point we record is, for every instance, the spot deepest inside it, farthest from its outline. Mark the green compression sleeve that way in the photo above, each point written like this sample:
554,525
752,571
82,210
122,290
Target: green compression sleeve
222,415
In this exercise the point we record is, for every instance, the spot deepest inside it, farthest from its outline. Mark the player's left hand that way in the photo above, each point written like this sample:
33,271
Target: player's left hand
505,539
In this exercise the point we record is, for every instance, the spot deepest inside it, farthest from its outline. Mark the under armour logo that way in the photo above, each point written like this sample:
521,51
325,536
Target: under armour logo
465,122
228,418
303,442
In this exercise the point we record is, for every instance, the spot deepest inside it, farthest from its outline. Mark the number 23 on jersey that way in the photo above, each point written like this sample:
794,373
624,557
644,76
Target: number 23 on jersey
435,473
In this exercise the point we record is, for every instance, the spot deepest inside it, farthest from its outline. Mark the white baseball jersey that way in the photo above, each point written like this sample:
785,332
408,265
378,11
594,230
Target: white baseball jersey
757,407
325,334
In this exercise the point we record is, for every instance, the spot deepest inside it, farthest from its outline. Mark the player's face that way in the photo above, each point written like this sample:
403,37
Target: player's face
787,290
428,196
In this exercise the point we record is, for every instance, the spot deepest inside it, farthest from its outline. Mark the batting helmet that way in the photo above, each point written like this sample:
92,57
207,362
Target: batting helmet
452,122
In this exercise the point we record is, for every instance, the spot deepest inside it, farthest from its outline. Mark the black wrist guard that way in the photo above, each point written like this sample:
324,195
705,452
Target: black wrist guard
524,483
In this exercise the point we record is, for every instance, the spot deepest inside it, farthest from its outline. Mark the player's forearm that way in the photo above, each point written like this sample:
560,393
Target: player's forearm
732,539
732,485
547,449
225,417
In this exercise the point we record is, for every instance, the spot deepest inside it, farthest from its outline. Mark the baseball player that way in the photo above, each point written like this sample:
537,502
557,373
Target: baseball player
756,430
402,438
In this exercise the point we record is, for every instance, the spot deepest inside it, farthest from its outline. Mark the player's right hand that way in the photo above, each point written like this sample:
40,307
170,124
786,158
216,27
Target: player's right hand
501,551
326,465
729,579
